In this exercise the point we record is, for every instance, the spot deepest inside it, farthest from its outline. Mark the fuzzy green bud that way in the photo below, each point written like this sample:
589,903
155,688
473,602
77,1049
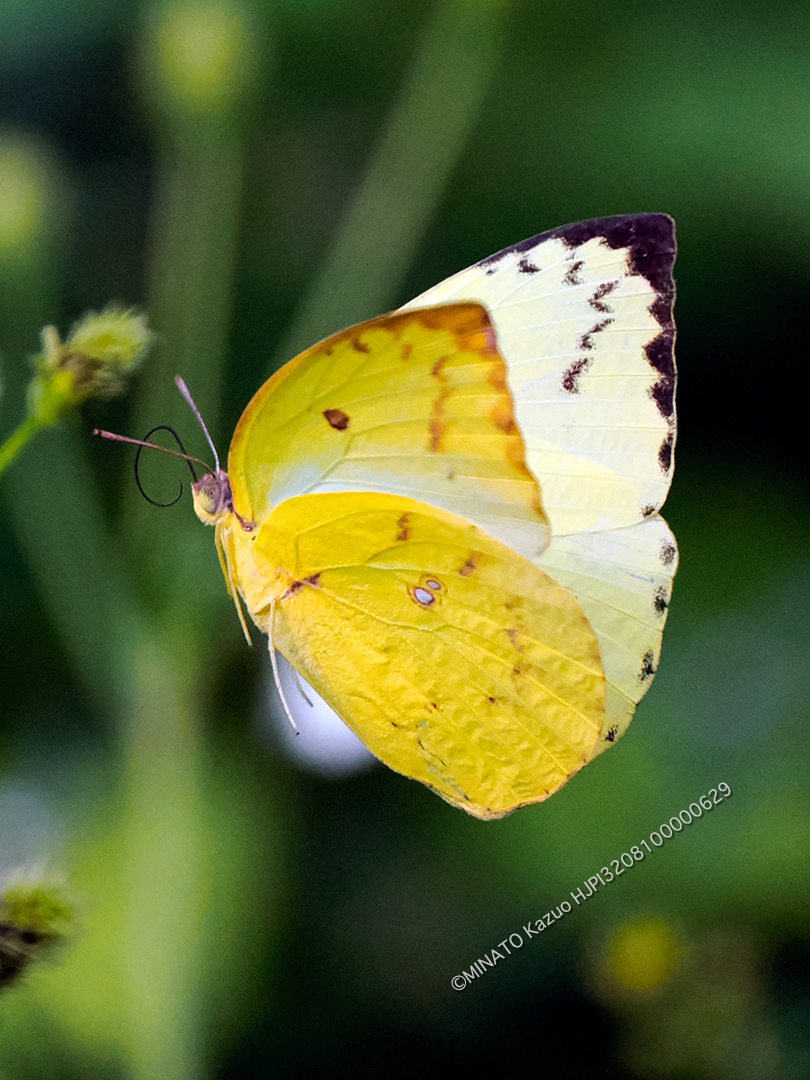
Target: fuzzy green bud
100,353
35,915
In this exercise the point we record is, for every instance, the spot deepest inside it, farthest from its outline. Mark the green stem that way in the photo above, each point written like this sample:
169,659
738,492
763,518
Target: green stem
163,730
196,226
17,440
52,502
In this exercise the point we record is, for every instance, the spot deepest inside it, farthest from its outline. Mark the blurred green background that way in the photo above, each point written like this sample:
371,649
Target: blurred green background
258,175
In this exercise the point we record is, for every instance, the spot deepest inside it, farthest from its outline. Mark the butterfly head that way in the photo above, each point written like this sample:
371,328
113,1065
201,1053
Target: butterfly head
212,497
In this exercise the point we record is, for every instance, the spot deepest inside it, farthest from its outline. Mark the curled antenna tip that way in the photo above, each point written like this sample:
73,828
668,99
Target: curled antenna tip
144,444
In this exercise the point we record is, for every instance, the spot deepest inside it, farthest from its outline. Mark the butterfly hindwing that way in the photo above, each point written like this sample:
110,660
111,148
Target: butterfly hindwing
457,661
623,582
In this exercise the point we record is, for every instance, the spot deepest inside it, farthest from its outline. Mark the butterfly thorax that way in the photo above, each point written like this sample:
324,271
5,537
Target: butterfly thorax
213,505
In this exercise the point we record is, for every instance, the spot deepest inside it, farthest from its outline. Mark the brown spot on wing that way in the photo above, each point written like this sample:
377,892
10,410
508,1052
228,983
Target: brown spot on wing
468,567
660,353
663,394
404,528
660,600
668,553
586,341
360,346
596,301
336,418
527,267
296,586
647,666
665,453
572,276
570,379
436,370
405,352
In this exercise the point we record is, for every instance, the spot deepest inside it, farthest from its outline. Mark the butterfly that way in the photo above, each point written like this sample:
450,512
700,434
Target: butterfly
447,518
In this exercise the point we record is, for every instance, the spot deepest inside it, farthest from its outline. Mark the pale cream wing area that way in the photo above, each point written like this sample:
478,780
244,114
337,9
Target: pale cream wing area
623,582
583,317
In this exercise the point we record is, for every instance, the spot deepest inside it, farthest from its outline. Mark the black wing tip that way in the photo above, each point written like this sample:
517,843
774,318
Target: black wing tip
649,237
650,242
642,232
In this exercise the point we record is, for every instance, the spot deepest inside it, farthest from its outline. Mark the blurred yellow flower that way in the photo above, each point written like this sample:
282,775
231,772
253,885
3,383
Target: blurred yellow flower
24,195
643,955
202,56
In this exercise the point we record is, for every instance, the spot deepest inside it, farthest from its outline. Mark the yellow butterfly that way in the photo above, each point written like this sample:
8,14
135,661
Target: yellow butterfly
447,520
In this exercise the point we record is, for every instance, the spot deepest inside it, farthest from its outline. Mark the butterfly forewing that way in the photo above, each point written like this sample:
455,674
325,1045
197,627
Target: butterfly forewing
583,316
413,404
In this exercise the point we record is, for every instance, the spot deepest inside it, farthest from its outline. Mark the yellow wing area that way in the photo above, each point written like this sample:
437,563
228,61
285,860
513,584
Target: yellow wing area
457,661
414,404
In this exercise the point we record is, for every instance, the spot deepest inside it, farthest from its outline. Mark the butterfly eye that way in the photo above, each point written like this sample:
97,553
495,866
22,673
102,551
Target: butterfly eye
212,495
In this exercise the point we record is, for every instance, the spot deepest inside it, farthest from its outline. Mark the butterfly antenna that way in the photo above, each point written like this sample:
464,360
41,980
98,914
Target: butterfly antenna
144,443
153,446
181,386
274,662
